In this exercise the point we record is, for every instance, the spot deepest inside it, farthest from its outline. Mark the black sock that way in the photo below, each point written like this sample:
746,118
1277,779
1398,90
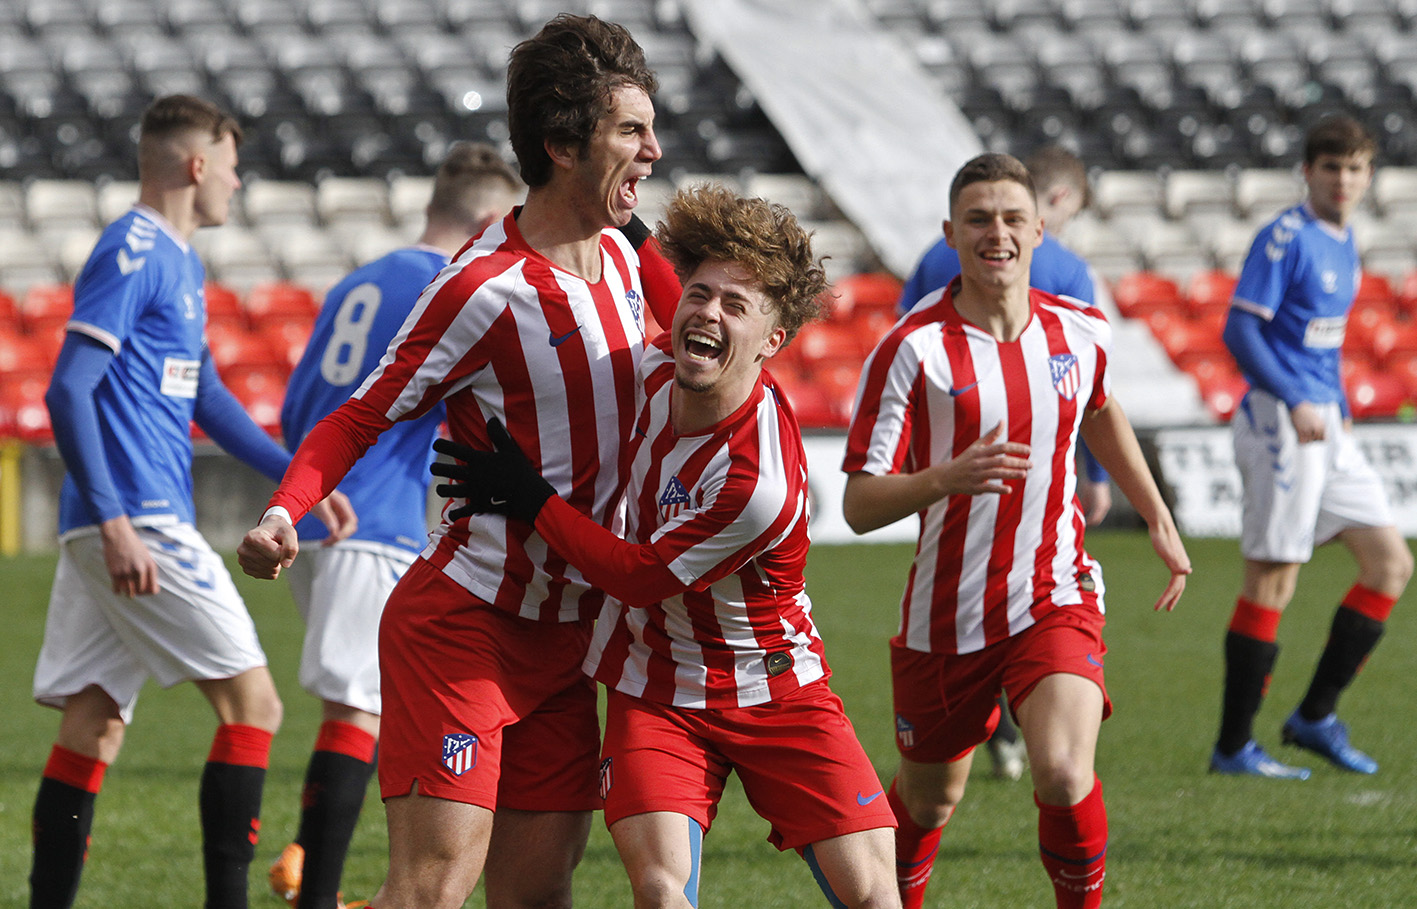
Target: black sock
1248,664
63,818
1351,638
230,809
330,803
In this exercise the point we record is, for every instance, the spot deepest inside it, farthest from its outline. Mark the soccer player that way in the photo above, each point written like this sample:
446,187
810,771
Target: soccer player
138,592
968,414
1060,180
341,591
1305,481
708,648
538,322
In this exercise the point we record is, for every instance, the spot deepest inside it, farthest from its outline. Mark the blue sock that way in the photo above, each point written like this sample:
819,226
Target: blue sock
696,849
832,899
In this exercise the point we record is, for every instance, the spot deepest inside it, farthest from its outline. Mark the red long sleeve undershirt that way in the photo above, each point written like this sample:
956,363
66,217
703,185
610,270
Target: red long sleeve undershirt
326,455
662,290
630,572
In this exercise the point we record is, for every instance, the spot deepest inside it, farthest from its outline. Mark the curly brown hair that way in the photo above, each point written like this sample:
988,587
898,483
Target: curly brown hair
560,83
709,222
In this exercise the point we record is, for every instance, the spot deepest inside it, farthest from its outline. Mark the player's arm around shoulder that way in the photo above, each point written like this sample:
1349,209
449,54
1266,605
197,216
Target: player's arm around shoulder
1112,441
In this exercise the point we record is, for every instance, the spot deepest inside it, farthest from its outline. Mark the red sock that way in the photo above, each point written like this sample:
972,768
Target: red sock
915,849
1073,845
74,769
346,739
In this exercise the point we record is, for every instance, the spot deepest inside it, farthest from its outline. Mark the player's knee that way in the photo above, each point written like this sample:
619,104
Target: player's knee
657,888
1062,780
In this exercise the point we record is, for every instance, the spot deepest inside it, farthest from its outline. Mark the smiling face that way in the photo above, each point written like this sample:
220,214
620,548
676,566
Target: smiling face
994,227
724,328
621,152
1337,184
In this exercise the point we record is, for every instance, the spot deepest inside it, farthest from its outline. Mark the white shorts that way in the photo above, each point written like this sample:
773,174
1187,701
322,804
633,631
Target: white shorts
194,628
340,592
1299,496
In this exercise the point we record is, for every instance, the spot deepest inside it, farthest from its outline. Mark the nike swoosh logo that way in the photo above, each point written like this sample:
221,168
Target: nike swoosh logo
956,392
496,501
558,340
1094,661
868,799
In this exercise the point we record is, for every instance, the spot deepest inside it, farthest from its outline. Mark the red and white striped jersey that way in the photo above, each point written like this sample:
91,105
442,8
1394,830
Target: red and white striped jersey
726,510
502,332
986,566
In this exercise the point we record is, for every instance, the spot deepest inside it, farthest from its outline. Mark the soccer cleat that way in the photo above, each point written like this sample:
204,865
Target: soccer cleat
1008,758
1252,760
1328,738
285,874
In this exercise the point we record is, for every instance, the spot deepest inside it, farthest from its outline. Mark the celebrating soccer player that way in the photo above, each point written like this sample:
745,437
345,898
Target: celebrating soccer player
538,322
709,650
968,414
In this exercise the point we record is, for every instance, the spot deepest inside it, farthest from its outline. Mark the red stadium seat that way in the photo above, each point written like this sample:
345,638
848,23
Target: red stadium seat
834,342
1210,289
1376,395
288,338
808,401
875,291
9,310
23,354
25,415
1374,288
1184,338
232,346
222,303
1141,292
261,390
45,301
1222,397
279,298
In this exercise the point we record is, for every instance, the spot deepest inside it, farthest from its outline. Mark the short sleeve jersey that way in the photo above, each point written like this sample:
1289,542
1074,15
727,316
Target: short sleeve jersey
726,509
1055,269
388,486
502,332
987,566
141,294
1300,277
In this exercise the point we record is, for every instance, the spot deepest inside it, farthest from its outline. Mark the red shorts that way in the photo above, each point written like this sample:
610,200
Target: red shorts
946,704
799,761
464,681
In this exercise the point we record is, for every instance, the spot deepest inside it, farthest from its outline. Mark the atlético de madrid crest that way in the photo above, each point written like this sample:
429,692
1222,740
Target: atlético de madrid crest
673,499
1067,375
459,752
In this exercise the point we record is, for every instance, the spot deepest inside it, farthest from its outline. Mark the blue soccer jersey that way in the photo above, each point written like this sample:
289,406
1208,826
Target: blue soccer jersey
140,294
361,315
1300,278
1055,269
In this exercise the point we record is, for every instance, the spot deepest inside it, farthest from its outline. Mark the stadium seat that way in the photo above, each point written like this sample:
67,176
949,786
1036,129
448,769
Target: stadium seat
1376,395
287,337
46,301
232,347
809,402
821,343
23,413
1374,288
1141,293
278,298
1264,192
861,293
1209,290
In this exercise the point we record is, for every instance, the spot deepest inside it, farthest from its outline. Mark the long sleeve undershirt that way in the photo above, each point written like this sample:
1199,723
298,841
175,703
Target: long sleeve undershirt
630,572
72,413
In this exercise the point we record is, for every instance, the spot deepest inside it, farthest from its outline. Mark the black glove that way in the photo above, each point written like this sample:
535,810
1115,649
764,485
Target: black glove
493,482
637,231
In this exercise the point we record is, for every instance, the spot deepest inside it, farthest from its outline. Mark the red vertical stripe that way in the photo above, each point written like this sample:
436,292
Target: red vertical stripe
1019,428
1059,469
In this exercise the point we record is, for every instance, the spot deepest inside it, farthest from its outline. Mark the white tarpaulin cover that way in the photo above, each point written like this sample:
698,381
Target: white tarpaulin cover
862,117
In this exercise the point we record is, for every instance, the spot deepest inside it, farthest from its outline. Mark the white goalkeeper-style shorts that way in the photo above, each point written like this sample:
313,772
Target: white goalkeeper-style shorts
1299,496
194,628
340,592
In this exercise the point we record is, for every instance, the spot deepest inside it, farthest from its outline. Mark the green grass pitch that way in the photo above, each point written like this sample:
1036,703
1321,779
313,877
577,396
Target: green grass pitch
1179,837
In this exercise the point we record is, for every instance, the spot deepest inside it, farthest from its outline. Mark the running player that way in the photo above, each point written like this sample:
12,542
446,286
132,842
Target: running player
341,591
1305,480
540,323
1061,183
968,414
709,650
138,592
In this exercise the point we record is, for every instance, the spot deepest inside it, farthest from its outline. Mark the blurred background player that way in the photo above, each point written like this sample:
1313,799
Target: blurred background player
138,592
1305,480
712,659
540,323
1060,180
969,410
342,589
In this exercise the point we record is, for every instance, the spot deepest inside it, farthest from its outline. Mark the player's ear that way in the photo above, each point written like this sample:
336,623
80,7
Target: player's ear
774,341
562,154
949,230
